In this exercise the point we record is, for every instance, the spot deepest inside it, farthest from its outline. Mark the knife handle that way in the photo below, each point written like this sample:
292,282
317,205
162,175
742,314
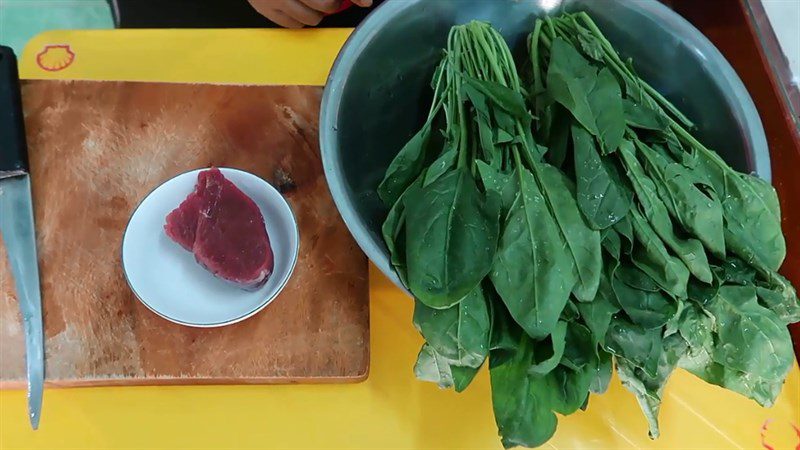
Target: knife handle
13,150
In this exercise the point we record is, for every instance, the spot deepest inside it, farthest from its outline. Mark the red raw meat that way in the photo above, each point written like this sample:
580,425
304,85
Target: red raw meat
224,229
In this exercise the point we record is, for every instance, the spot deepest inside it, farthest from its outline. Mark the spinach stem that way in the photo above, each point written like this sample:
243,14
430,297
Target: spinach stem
508,62
490,57
689,139
533,45
550,27
472,57
458,81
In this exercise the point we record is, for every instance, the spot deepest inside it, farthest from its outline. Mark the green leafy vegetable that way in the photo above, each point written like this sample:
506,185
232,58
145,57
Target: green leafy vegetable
521,400
568,222
433,367
754,340
600,196
570,79
406,167
502,184
640,346
605,99
645,308
751,211
648,388
698,213
652,258
553,352
582,243
457,229
532,273
689,251
641,116
459,333
597,314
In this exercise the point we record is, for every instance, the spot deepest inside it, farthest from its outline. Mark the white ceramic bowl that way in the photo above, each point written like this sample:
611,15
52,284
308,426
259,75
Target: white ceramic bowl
167,279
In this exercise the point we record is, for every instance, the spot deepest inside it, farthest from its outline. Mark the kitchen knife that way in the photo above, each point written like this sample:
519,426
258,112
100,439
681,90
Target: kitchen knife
16,226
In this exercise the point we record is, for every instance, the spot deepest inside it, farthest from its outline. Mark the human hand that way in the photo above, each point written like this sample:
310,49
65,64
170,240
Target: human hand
300,13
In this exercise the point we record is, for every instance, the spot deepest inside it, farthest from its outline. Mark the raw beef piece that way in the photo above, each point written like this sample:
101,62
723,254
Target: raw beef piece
224,229
181,224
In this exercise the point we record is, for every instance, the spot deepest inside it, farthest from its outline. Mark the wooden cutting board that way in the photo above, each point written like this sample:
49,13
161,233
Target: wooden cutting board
96,150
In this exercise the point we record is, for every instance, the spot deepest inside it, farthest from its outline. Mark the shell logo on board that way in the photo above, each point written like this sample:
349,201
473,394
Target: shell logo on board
53,58
765,438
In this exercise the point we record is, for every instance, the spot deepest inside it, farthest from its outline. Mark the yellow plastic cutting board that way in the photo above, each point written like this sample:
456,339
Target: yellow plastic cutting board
391,409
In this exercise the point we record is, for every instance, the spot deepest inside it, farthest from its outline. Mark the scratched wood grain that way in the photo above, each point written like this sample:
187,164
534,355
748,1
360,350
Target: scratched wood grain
96,149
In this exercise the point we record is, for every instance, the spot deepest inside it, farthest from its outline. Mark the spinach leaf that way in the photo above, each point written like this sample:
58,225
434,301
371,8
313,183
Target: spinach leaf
652,258
487,141
590,46
690,251
782,302
635,278
501,183
625,229
580,347
521,401
593,98
501,96
698,213
784,299
753,339
556,136
751,211
602,374
673,324
597,314
641,347
503,137
570,79
602,200
392,233
582,243
569,389
648,388
459,333
505,333
553,351
645,308
433,367
696,326
570,311
701,293
405,167
641,116
697,329
611,242
734,271
605,100
532,273
763,390
455,229
505,123
463,376
445,162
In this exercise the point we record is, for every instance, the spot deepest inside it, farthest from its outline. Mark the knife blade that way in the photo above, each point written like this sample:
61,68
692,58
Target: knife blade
17,227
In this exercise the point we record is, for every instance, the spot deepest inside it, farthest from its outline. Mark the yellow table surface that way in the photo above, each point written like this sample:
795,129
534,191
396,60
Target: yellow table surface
389,410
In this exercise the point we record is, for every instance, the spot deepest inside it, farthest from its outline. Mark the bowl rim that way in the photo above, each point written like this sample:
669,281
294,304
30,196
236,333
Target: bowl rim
734,92
269,298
